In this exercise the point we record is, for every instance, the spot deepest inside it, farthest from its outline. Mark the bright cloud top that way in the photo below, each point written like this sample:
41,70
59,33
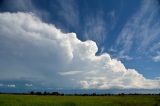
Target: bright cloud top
37,51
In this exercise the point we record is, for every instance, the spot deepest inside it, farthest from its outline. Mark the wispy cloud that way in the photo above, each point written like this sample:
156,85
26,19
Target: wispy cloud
125,57
20,5
70,73
68,10
142,29
24,6
155,47
113,18
95,28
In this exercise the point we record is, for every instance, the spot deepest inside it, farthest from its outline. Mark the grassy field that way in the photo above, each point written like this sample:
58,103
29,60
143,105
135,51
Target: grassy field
35,100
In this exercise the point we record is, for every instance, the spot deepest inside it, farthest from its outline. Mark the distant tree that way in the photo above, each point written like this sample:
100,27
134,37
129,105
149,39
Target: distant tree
55,93
45,93
75,94
121,94
32,92
38,93
85,95
93,94
62,94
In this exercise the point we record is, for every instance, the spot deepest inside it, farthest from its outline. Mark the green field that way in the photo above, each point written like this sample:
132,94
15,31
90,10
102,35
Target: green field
35,100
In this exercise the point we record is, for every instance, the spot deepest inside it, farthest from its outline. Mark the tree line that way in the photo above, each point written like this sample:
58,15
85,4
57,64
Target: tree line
76,94
84,94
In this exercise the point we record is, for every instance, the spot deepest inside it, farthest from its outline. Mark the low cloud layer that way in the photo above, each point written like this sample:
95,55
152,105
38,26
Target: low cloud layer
37,51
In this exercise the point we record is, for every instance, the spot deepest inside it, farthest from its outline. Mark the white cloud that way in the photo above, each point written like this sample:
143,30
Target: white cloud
28,85
11,85
157,57
36,50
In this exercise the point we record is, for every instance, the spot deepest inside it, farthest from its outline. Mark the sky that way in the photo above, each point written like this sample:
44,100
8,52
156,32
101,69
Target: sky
86,44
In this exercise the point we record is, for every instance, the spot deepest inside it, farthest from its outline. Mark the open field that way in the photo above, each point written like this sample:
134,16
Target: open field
35,100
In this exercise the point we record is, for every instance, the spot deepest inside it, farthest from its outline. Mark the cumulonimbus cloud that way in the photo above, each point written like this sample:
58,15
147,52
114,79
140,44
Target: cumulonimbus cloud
30,48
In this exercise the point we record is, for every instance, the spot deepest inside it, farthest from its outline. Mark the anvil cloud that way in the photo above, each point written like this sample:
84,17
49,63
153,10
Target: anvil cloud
34,50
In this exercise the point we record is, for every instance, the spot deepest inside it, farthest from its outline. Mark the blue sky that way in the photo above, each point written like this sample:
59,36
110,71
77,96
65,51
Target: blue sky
129,31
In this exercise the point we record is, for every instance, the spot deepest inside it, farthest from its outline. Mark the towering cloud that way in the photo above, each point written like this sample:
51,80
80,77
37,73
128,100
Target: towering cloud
37,51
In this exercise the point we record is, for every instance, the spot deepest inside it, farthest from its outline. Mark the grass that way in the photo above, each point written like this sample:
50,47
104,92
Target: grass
35,100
